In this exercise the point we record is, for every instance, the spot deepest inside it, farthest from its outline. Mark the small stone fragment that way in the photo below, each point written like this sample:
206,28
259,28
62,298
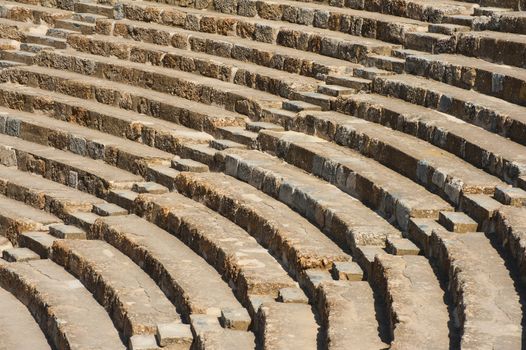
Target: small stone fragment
292,295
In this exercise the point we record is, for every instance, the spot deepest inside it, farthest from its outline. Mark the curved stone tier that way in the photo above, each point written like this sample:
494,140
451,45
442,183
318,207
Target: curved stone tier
262,174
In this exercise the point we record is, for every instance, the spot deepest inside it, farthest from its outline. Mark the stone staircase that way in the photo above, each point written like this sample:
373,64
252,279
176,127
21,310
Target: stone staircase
262,174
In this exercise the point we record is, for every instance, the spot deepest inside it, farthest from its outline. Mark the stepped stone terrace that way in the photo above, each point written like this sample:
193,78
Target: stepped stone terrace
262,174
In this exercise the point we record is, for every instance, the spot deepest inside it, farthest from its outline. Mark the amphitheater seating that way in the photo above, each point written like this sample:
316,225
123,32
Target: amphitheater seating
262,174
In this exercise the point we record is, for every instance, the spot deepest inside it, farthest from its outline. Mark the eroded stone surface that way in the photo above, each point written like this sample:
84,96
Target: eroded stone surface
378,118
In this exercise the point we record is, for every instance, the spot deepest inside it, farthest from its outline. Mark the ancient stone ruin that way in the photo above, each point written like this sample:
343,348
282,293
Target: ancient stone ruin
262,174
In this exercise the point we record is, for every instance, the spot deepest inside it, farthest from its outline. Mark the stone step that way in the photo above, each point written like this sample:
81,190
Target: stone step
18,328
335,90
160,255
208,334
65,310
9,44
225,144
300,106
388,63
345,219
300,245
284,118
189,165
46,40
34,48
182,84
60,33
108,209
247,266
506,4
123,199
428,11
134,301
87,17
43,194
8,64
163,175
401,246
497,80
419,317
317,99
274,81
370,73
263,211
74,138
389,193
15,30
238,134
470,260
506,48
510,21
510,227
333,44
76,26
273,323
420,231
17,217
63,231
457,222
97,9
438,171
491,11
481,208
356,83
511,196
206,154
88,175
404,53
430,42
167,111
258,126
461,20
448,28
149,187
331,17
39,242
24,12
347,271
19,255
242,49
24,57
351,315
495,154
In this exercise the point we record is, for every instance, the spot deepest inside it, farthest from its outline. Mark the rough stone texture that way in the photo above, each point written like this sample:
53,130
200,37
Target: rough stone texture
298,242
318,147
66,311
249,268
19,255
348,220
480,285
173,335
18,329
272,321
136,304
349,309
16,217
418,315
457,222
395,196
44,194
511,229
187,285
